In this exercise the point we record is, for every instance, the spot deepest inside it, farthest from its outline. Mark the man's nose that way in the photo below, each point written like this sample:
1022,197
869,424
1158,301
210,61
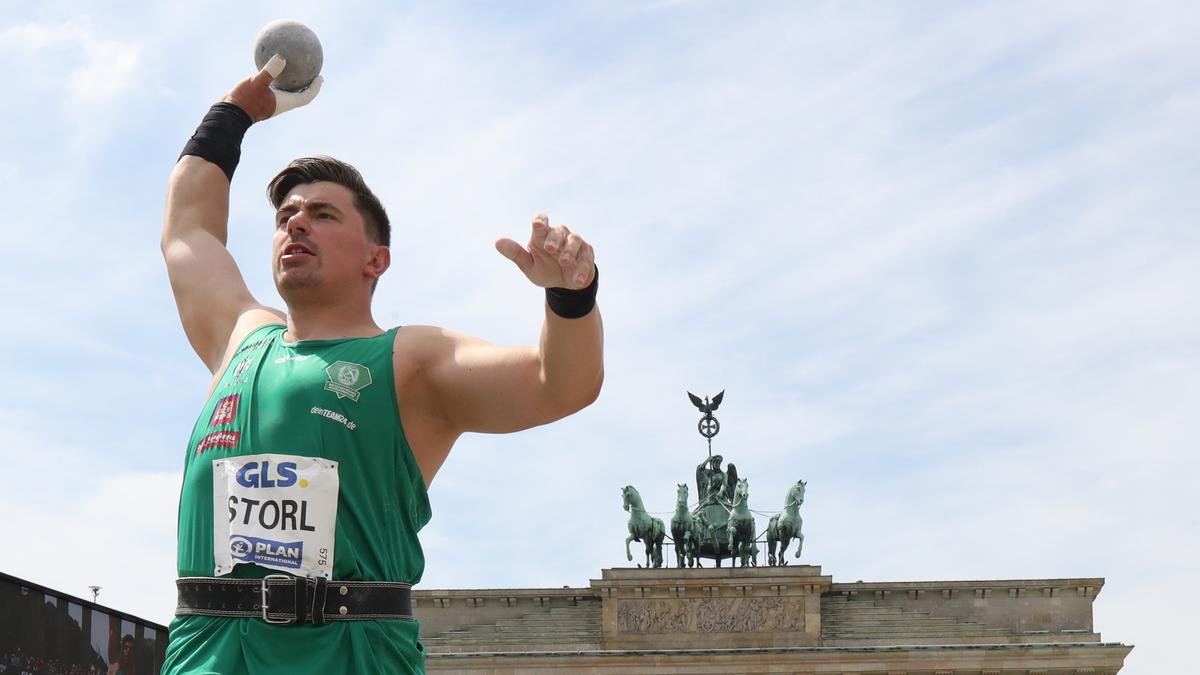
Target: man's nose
298,222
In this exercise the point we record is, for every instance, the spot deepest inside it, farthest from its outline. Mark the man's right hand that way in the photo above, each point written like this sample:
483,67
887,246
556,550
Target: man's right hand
260,100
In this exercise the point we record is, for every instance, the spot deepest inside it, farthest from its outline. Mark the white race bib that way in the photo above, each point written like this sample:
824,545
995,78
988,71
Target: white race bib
277,511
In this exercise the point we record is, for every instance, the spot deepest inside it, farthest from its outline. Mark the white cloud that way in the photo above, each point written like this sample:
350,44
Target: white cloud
74,71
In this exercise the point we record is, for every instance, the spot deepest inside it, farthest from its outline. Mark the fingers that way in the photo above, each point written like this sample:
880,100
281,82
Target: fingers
556,257
556,239
270,70
570,250
584,269
515,252
575,259
289,100
260,100
541,228
573,255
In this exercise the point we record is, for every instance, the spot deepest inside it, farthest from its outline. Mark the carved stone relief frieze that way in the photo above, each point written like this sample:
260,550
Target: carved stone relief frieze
711,615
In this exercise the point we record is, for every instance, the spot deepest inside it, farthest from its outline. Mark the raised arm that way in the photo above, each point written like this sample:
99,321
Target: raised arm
488,388
210,292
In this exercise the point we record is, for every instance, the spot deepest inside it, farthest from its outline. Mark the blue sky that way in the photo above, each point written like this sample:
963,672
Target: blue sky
941,256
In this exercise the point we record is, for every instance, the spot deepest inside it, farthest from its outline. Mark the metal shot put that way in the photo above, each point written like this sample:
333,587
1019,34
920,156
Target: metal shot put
298,46
305,475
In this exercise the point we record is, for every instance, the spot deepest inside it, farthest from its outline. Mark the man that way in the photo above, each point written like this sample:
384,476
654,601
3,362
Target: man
305,477
124,662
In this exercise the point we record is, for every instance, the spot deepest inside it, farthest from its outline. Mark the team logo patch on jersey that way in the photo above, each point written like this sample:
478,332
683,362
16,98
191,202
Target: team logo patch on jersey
239,376
347,379
225,411
218,439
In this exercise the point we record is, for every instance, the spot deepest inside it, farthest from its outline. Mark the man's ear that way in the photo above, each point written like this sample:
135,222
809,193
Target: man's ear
379,262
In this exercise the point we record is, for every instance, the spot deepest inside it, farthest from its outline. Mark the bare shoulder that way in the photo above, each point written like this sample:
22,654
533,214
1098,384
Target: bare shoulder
423,346
247,322
251,320
430,336
414,337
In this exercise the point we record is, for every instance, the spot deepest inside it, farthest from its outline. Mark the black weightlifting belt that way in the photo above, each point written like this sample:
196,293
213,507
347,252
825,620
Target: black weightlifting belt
287,600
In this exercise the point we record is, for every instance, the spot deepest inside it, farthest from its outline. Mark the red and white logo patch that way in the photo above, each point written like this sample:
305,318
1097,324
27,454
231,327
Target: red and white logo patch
219,439
225,411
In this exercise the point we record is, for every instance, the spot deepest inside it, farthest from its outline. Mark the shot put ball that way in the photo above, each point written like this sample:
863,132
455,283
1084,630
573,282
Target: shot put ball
295,42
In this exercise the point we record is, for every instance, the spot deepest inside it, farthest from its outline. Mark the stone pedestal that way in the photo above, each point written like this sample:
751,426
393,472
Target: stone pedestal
711,608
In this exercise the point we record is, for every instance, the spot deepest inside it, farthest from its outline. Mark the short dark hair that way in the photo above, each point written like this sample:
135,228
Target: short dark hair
313,169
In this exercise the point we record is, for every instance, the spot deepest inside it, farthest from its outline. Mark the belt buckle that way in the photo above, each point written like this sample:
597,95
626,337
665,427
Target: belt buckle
277,577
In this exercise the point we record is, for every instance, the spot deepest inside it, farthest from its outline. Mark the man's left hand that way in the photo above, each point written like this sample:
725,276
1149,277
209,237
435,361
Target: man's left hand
555,258
261,101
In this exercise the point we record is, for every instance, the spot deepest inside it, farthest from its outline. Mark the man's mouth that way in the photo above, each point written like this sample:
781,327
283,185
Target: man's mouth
295,252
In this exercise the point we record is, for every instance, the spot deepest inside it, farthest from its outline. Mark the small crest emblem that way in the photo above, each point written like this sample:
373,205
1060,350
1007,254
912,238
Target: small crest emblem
347,379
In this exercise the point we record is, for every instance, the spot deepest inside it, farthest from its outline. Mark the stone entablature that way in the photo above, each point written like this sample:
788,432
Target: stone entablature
760,620
711,607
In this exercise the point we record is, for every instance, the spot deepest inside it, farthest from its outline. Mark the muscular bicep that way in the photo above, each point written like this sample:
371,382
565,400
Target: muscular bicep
494,389
210,292
481,387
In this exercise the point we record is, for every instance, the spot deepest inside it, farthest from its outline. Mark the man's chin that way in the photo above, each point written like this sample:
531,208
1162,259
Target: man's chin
291,281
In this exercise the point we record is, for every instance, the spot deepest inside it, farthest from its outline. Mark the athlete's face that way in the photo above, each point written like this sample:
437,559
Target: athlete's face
321,243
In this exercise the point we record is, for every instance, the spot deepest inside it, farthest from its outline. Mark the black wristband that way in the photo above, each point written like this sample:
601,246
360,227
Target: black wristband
571,304
218,139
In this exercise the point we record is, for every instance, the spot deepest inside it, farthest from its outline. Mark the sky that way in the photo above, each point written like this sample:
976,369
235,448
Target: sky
940,256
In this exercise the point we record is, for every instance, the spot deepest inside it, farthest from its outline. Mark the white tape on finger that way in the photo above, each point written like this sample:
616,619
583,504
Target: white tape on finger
275,65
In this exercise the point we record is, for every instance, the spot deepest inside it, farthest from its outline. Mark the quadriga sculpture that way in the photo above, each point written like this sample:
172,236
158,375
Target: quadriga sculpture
643,527
786,526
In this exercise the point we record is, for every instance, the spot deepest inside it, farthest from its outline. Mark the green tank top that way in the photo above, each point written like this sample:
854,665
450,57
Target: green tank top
292,433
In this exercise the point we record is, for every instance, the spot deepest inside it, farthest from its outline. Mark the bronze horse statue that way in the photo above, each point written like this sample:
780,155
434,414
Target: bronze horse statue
741,532
786,526
643,527
687,531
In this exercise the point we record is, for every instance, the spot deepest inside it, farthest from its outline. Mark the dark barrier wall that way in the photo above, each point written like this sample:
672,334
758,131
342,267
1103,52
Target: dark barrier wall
44,632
